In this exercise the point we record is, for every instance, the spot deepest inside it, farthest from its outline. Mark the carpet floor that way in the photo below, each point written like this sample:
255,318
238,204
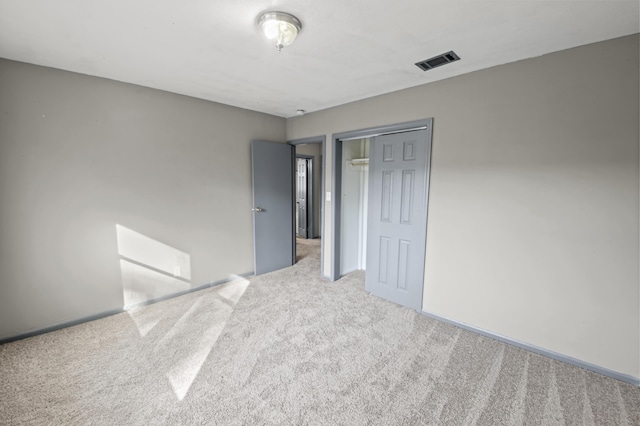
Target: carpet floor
287,348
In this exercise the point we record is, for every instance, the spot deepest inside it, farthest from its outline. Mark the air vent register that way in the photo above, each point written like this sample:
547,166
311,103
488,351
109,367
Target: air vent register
437,61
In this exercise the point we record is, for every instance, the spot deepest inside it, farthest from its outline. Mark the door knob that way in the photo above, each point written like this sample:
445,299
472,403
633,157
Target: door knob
258,210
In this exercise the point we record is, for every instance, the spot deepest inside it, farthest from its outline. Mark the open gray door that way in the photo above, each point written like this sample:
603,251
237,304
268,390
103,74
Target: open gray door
273,237
397,218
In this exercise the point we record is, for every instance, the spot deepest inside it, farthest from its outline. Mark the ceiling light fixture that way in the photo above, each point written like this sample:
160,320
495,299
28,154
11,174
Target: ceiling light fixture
281,27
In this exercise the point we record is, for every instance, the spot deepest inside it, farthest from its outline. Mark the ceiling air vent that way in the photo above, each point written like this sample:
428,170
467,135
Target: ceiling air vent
436,61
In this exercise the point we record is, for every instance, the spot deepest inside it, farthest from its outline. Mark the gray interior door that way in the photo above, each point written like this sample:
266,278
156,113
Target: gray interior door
273,237
397,217
301,189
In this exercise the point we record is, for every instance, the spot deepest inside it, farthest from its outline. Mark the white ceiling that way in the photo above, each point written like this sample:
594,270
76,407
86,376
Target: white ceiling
347,49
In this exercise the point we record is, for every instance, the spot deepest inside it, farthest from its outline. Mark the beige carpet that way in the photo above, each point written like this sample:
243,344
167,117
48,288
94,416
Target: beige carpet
287,348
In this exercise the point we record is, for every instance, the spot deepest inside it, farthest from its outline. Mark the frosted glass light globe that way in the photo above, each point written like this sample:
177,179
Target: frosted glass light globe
280,27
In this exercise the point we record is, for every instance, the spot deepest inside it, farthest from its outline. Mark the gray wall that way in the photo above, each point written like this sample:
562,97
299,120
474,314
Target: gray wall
79,155
533,213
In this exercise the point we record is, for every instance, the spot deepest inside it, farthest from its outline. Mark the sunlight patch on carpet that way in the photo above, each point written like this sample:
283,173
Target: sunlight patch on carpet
182,375
217,312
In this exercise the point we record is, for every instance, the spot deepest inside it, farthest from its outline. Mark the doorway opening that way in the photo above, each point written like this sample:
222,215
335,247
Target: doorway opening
305,197
343,256
354,197
309,167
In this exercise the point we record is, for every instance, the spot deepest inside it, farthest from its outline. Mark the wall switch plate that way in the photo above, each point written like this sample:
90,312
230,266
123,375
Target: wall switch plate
328,196
176,271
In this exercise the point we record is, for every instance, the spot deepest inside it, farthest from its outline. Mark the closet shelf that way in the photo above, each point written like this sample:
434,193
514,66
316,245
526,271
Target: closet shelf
359,161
